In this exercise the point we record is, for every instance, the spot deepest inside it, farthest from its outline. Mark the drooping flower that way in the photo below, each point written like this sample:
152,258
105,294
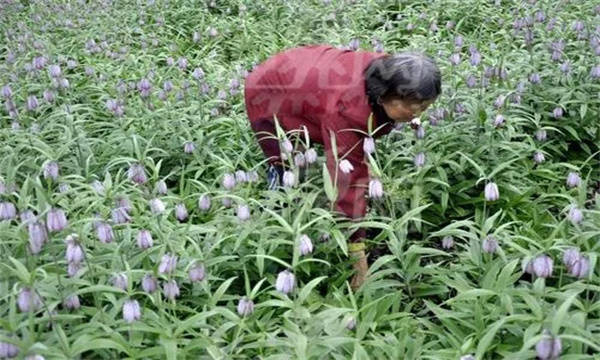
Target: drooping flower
447,242
161,187
56,220
120,281
311,156
539,157
549,347
541,134
171,290
189,147
28,300
557,113
580,267
289,179
168,264
498,120
74,253
149,283
305,245
228,181
419,159
491,192
144,239
243,212
72,302
105,233
181,212
204,202
197,273
575,215
131,311
8,211
369,145
375,189
157,206
573,180
285,282
137,173
542,266
51,170
245,307
346,167
489,245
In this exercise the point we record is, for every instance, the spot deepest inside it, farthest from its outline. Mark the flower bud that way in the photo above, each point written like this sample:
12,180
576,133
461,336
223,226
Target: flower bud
32,103
541,134
241,176
489,245
6,92
56,220
171,290
375,189
573,180
245,307
300,160
120,281
491,192
197,273
575,215
539,157
351,325
131,311
228,181
346,167
369,145
8,350
285,282
119,215
149,283
168,264
420,132
306,245
243,212
549,347
204,202
144,239
198,73
542,266
54,71
181,212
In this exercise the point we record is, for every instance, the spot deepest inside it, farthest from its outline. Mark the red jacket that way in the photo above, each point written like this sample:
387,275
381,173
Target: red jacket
322,88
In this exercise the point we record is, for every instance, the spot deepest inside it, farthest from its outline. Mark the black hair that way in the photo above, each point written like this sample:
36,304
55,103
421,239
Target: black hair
409,75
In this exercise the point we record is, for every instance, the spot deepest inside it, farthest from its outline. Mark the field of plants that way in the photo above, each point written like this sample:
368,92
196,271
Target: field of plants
136,223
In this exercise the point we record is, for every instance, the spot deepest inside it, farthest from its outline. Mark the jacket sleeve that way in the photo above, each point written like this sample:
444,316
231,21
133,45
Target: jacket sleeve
351,187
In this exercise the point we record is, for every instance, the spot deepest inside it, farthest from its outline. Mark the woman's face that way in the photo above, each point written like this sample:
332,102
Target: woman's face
405,110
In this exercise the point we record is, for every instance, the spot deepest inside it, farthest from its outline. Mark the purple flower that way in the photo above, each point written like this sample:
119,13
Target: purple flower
8,211
56,220
565,67
541,134
182,63
123,203
48,96
420,132
149,283
137,173
351,325
204,202
289,179
475,58
32,102
300,160
575,215
161,187
74,253
542,266
539,16
243,212
535,78
8,350
171,290
198,73
144,239
578,26
489,245
157,206
197,273
285,282
131,311
354,44
557,112
573,180
346,166
595,73
228,181
72,302
305,245
241,176
455,59
471,80
549,347
491,192
104,232
375,189
28,300
419,159
120,281
181,212
188,147
54,71
310,155
144,87
245,307
580,267
498,120
458,41
168,85
539,157
226,202
571,256
6,92
120,215
168,264
447,242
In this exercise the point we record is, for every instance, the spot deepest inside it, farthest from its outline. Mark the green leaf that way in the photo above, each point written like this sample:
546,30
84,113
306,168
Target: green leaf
308,288
170,348
562,312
